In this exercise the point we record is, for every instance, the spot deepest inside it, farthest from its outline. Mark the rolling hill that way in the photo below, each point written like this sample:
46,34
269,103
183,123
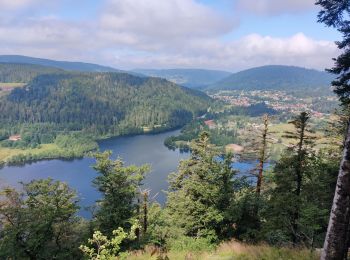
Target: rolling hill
65,65
275,77
112,103
192,78
23,73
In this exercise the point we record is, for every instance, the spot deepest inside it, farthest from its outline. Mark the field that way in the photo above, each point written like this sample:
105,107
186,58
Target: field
278,131
5,88
7,153
231,250
45,151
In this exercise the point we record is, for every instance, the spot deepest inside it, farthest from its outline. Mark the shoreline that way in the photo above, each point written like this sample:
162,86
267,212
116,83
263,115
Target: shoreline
26,157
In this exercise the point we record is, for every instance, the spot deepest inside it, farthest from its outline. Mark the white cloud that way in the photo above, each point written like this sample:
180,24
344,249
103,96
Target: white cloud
155,23
15,4
153,33
249,51
275,7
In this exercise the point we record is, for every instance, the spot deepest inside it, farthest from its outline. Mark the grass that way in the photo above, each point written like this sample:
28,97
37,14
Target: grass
231,250
279,130
7,153
5,88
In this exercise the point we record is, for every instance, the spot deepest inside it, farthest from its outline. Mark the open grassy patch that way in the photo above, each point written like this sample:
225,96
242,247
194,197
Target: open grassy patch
230,250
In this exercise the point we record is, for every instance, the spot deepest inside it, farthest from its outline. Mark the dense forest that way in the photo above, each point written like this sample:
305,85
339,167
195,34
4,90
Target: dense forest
105,101
94,105
276,77
23,73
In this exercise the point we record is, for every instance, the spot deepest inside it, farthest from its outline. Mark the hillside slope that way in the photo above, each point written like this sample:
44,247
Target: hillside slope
275,77
23,73
193,78
102,102
65,65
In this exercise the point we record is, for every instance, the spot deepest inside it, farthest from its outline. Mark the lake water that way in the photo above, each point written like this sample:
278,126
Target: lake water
78,173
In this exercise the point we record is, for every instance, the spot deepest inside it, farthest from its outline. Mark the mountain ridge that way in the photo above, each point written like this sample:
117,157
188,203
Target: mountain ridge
66,65
274,77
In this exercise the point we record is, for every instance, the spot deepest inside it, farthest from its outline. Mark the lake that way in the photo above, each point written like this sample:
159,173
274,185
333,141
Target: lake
140,149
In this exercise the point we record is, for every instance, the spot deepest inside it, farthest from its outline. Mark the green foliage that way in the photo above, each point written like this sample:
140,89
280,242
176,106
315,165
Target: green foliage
336,14
40,222
102,248
299,200
75,109
119,186
202,193
102,102
22,73
219,137
276,77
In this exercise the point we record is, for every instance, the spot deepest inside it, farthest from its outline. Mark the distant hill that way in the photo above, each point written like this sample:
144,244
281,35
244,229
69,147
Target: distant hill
23,73
275,77
66,65
193,78
102,102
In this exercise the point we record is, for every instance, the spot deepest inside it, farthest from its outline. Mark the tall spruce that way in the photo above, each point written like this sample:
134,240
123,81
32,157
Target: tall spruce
336,14
119,186
304,139
285,207
201,191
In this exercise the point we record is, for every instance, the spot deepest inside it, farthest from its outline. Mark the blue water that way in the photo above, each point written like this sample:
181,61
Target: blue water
140,149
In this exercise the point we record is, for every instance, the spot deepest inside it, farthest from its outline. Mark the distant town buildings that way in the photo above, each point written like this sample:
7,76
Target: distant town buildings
277,100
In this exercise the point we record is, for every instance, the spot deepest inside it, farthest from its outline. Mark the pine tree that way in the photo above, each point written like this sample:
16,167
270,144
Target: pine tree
201,191
336,14
290,172
119,186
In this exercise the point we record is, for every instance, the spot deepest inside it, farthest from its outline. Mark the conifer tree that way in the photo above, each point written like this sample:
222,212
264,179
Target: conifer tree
201,191
119,186
336,14
290,171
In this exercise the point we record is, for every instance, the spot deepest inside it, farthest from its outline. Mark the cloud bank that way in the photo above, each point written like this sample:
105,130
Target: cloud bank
159,34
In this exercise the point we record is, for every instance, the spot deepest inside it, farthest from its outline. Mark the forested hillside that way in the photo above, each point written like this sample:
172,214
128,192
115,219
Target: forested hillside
276,77
105,101
73,109
22,73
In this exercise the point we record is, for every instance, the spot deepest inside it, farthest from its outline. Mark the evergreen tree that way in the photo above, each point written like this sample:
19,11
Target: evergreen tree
336,14
201,192
290,172
119,186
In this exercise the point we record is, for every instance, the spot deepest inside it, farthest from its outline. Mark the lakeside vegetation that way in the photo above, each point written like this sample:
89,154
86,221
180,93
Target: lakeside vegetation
208,204
82,108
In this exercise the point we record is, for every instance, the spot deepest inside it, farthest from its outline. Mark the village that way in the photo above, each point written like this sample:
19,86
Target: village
280,101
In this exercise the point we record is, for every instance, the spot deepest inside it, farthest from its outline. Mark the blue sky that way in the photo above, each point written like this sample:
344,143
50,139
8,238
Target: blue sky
217,34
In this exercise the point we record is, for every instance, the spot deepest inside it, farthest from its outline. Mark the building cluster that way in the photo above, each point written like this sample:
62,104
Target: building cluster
277,100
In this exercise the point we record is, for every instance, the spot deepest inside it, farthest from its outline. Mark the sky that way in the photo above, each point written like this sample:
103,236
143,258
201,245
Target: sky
229,35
